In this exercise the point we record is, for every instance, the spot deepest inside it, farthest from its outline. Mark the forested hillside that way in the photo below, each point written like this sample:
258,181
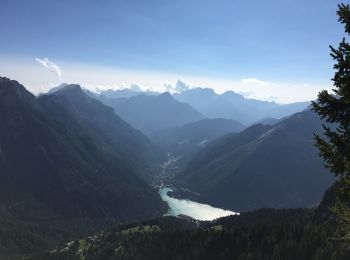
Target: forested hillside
263,166
264,234
60,170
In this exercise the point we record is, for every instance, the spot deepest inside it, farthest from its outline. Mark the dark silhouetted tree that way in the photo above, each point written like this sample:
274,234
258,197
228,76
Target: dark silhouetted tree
334,146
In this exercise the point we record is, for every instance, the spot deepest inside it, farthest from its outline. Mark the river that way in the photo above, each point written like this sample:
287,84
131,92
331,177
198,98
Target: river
192,209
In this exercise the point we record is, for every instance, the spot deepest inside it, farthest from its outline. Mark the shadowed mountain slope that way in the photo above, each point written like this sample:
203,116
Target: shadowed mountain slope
151,113
192,136
263,166
54,164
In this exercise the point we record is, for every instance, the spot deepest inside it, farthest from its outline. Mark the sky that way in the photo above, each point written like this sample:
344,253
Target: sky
275,50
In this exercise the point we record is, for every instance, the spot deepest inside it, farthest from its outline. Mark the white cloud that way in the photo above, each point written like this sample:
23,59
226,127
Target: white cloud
168,87
98,88
179,87
254,81
96,77
50,66
246,94
272,98
135,87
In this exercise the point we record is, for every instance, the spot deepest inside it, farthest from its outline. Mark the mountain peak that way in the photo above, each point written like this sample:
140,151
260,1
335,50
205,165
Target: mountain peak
166,94
207,91
196,93
11,88
231,94
71,89
55,89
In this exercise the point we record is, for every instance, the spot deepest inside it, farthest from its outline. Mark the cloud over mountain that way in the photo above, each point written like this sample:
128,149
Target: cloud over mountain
50,66
254,81
179,87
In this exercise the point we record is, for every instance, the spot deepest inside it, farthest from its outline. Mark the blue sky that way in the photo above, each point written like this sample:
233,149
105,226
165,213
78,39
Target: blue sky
282,42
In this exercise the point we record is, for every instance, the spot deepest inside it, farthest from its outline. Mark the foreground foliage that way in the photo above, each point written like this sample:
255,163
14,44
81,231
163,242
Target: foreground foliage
335,108
263,234
334,145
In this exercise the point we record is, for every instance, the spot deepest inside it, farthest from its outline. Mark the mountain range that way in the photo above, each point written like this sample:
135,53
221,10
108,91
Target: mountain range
231,105
128,143
72,161
150,113
126,93
67,156
263,166
190,137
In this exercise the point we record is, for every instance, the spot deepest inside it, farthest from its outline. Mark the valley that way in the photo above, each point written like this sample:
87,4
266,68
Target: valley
97,170
178,199
174,130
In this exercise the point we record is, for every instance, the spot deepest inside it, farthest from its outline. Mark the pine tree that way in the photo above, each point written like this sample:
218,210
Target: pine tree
334,145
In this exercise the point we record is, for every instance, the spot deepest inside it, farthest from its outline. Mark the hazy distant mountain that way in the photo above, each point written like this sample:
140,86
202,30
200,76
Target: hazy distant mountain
263,166
65,156
193,136
126,93
54,89
289,109
206,101
267,121
152,113
231,105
